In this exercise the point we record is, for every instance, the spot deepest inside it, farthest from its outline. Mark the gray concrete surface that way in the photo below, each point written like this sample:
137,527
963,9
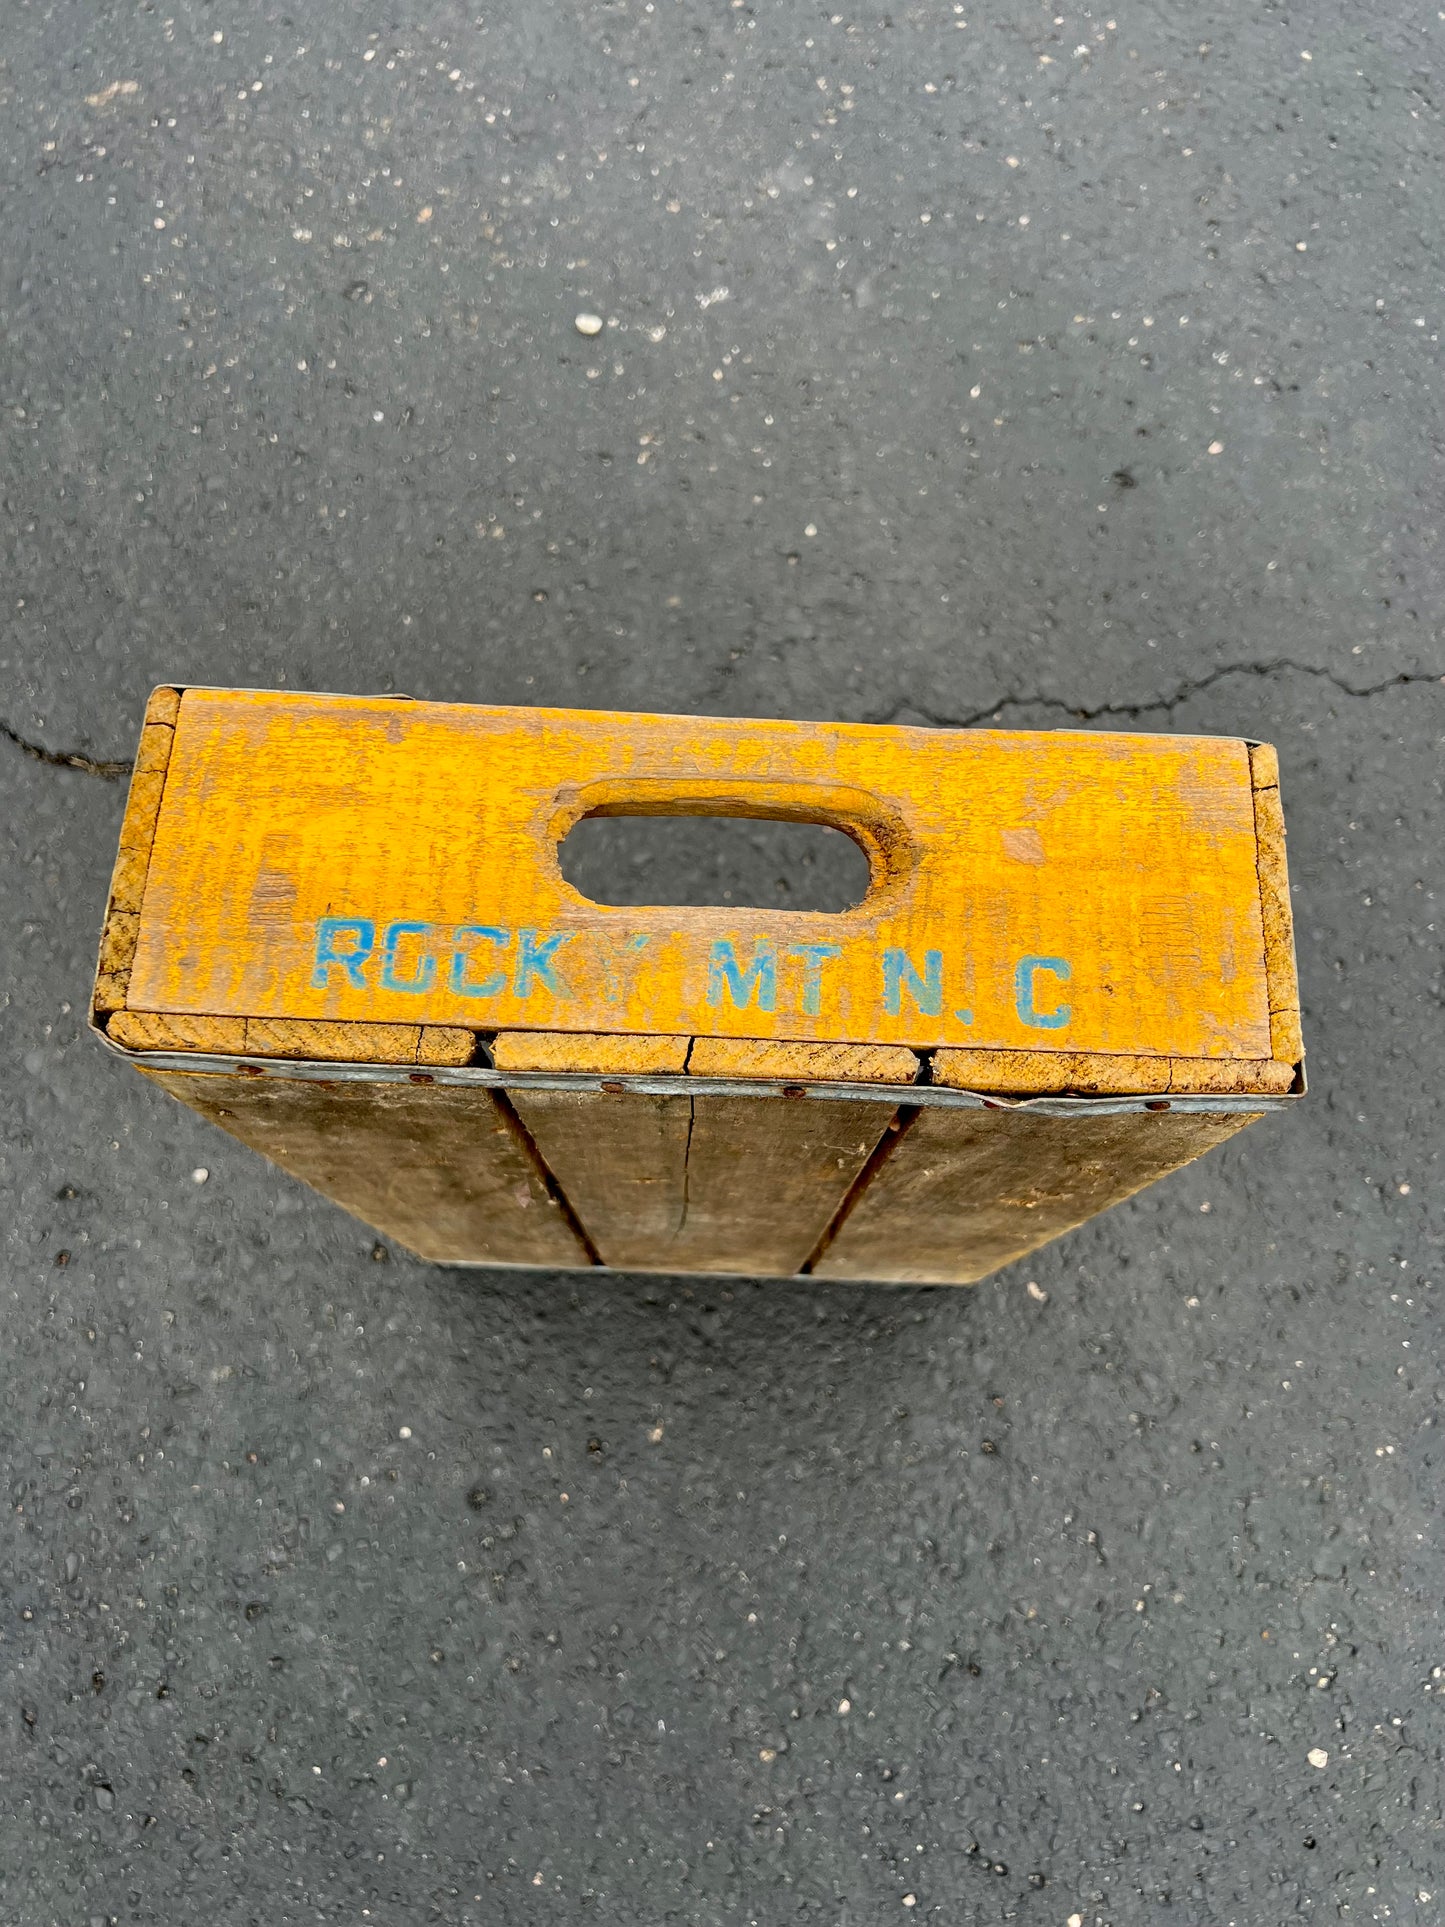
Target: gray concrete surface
956,365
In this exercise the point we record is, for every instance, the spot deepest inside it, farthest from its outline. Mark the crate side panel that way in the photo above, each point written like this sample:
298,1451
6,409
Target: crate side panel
765,1178
621,1161
707,1184
441,1169
965,1192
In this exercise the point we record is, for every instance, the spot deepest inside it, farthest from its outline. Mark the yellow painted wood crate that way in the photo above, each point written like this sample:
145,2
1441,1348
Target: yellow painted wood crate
339,929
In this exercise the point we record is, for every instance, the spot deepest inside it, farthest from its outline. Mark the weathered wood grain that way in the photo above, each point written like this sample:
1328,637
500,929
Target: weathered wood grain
441,1169
764,1179
618,1160
357,1043
145,1030
153,752
695,1183
543,1050
117,944
1286,1039
1030,890
964,1192
127,884
806,1063
621,1162
1092,1074
155,1030
444,1044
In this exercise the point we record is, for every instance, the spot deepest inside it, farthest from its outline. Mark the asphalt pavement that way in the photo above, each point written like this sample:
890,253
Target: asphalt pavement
956,364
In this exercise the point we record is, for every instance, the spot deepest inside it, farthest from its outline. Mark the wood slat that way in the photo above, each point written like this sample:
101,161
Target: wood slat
441,1169
153,752
143,803
964,1192
441,1044
339,1043
148,1030
621,1162
695,1184
544,1050
117,943
763,1180
153,1030
1093,1074
807,1063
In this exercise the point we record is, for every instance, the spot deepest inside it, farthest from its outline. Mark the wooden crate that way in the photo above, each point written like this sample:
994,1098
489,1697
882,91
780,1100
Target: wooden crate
339,929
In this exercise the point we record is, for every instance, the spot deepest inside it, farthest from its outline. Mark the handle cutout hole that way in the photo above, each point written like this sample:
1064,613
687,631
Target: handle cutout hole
714,862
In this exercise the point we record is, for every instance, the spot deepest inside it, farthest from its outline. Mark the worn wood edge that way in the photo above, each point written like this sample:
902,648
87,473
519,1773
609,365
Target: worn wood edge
287,1037
341,1043
558,1050
132,860
807,1063
153,752
1097,1074
109,993
1276,911
151,1030
117,943
445,1044
1263,766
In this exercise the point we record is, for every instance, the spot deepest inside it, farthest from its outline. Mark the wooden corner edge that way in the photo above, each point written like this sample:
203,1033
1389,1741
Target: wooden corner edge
1276,911
1263,766
163,705
121,929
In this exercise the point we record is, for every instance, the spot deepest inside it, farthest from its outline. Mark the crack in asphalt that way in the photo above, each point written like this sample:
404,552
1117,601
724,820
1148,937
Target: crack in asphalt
109,772
1167,704
66,758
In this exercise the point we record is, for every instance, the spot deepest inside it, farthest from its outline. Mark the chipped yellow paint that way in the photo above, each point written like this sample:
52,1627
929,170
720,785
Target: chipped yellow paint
344,859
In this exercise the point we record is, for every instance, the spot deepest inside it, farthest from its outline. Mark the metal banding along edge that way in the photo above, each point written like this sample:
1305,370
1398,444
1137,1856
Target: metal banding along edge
929,1096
